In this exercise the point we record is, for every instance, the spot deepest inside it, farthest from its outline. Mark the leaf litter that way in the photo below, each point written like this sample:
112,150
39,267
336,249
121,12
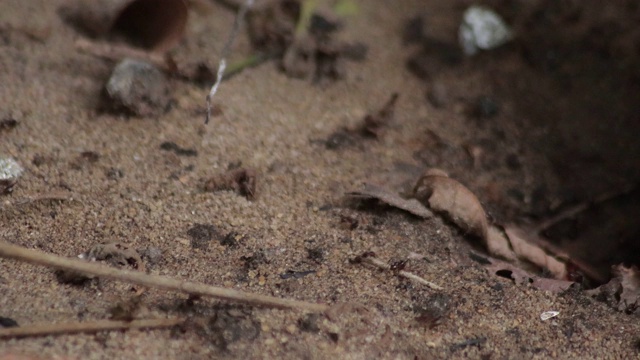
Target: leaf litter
452,200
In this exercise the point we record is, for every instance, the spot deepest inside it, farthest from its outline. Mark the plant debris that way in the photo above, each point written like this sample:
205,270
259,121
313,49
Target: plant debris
241,180
523,277
623,290
86,327
372,126
369,257
302,37
178,150
10,251
457,203
451,198
292,274
374,123
372,191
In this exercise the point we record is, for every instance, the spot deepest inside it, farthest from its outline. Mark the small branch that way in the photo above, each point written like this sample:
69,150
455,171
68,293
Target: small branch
384,266
10,251
86,327
223,55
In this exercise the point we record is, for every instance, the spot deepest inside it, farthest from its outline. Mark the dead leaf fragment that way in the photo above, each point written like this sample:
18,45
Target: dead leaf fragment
527,250
623,290
303,37
448,196
523,277
454,200
391,198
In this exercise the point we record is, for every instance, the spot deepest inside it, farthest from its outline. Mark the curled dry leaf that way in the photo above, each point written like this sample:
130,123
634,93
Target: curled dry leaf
521,276
455,201
526,249
448,196
391,198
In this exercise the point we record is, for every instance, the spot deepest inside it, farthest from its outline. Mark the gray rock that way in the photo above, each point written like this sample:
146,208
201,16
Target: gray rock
482,29
139,88
10,171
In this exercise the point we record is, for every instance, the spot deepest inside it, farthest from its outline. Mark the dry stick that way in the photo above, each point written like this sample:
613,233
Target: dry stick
90,326
155,281
222,65
384,266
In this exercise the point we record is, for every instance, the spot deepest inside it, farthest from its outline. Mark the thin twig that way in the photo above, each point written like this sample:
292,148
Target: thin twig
160,282
225,52
384,266
86,327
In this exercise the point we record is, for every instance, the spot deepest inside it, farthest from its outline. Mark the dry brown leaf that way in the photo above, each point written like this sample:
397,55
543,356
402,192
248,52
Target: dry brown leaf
448,196
521,277
391,198
526,250
498,244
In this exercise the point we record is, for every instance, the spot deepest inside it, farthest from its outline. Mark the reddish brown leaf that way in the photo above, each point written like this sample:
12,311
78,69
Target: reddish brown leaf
454,200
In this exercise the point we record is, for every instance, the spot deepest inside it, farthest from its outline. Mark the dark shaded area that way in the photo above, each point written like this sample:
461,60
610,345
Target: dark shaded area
566,92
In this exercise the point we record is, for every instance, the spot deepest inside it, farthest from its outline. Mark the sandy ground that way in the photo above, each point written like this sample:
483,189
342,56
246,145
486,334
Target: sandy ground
141,195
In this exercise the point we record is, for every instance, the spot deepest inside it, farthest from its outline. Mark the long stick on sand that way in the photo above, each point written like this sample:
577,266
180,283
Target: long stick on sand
10,251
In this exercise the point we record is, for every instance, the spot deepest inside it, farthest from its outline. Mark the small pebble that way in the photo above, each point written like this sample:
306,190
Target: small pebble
10,171
138,88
